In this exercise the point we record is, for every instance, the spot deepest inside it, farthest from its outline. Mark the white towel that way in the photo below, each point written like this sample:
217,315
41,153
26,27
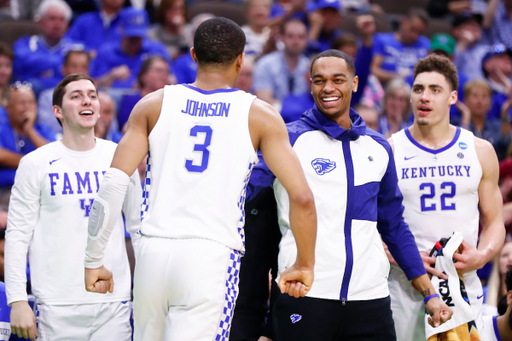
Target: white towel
449,290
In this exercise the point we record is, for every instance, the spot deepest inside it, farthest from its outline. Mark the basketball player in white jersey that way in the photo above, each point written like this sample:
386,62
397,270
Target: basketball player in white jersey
449,180
53,193
202,140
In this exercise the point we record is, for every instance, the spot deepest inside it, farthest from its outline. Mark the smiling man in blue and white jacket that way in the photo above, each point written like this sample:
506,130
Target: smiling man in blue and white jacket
351,171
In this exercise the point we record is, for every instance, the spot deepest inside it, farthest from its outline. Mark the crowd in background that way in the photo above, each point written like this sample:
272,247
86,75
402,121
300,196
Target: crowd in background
134,48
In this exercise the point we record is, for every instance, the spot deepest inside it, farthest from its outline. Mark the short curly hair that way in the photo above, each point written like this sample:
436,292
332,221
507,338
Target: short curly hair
439,64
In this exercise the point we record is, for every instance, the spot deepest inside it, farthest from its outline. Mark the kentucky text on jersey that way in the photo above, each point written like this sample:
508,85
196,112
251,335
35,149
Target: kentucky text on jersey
196,108
435,171
76,182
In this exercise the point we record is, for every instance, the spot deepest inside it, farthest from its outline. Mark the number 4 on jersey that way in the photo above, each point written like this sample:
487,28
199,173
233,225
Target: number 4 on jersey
200,147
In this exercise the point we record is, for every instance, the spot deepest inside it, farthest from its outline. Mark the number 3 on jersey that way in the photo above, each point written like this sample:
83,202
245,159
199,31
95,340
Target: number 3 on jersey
430,193
200,147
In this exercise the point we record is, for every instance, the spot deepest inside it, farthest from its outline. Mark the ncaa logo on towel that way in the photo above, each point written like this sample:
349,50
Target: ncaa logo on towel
323,166
463,145
295,318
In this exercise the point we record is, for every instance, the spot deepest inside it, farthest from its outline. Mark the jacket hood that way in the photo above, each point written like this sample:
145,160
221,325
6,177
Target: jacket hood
314,118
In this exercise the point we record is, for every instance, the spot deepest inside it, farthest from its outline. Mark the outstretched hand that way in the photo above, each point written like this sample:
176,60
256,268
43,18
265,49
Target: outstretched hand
296,281
439,312
99,280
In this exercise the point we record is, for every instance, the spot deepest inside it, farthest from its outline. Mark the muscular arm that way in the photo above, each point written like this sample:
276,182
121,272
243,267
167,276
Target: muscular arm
491,214
269,134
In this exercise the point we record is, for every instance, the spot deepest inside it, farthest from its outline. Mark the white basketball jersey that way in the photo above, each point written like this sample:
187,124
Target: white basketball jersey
200,159
440,187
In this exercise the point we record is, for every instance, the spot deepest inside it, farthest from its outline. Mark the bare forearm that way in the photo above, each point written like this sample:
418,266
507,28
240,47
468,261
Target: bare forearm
37,139
490,13
303,224
491,241
423,284
9,159
383,75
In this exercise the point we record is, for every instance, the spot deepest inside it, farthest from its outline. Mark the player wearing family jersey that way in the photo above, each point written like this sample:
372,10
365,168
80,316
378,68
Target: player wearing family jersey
201,139
55,187
445,174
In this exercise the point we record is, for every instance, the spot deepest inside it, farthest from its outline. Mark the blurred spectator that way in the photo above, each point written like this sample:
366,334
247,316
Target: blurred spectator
118,64
170,28
372,93
397,107
498,18
293,106
184,67
153,75
103,128
256,30
289,9
244,81
74,62
470,48
369,115
24,9
39,59
325,18
5,310
96,28
497,69
442,8
474,118
281,73
396,53
361,54
496,286
21,134
6,58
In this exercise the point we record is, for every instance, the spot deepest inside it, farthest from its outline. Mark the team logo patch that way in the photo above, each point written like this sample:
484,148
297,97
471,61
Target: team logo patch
460,155
323,166
463,145
295,318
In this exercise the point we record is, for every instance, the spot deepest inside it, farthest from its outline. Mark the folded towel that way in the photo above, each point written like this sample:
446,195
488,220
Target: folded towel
461,327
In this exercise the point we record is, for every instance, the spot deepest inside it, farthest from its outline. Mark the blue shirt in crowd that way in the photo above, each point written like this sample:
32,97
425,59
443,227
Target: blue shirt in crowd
35,61
111,56
89,29
501,30
397,56
185,69
12,141
271,72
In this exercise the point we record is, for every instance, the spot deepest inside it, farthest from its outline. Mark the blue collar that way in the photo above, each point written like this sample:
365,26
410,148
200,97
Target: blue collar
316,119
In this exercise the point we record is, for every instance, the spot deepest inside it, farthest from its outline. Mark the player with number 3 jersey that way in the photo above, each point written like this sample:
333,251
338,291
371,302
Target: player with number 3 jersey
202,140
449,180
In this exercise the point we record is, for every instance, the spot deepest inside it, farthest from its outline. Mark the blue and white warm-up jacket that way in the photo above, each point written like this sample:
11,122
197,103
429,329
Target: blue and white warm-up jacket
353,178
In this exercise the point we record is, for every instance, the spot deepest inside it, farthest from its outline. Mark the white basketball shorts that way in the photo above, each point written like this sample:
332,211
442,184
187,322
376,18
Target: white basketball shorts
184,289
91,322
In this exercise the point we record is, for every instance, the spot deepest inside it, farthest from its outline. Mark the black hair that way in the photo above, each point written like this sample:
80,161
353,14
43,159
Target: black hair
218,42
337,54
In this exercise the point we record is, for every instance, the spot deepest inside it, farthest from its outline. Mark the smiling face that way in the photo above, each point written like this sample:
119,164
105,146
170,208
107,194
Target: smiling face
332,84
431,99
80,106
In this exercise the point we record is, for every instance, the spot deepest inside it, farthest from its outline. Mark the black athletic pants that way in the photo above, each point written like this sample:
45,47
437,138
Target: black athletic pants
314,319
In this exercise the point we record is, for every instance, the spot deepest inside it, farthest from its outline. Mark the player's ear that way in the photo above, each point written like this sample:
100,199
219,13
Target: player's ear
193,54
509,297
454,97
355,84
57,112
240,60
